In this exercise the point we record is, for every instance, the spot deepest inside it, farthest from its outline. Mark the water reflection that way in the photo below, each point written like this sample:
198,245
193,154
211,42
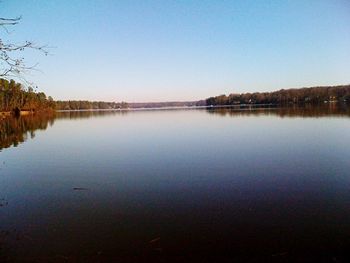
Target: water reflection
14,131
177,185
88,114
304,112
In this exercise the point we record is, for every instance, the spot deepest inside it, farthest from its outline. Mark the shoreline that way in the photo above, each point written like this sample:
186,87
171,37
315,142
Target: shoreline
175,108
4,114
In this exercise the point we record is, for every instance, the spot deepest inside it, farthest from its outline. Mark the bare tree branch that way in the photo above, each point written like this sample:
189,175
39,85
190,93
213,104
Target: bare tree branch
12,63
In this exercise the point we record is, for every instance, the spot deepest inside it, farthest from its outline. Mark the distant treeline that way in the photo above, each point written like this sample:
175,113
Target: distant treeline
314,95
89,105
138,105
14,97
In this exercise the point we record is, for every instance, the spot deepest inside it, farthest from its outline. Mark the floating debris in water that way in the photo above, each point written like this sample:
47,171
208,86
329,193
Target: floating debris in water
154,240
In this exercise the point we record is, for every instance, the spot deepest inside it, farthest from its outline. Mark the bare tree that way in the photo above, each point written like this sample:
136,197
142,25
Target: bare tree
12,64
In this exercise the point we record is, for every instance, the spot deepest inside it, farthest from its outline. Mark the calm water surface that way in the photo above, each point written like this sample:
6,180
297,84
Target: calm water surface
176,185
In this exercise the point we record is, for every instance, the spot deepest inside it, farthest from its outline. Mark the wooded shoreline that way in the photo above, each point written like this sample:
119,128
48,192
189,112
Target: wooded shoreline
19,100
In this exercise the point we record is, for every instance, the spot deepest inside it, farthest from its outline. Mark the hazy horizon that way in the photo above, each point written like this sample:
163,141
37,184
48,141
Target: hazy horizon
153,51
213,95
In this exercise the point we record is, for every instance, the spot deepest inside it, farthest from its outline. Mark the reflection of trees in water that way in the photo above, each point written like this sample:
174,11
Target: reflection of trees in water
14,131
330,109
87,114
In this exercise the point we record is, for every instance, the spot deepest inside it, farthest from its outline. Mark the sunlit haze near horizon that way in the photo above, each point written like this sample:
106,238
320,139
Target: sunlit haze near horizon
181,50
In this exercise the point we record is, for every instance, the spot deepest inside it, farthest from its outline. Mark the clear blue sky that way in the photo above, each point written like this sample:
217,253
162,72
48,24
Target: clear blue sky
182,50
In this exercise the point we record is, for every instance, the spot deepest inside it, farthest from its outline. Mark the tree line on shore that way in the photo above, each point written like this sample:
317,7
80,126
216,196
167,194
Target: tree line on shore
14,97
314,95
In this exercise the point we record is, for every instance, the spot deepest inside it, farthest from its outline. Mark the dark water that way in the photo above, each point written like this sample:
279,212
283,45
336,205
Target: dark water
226,185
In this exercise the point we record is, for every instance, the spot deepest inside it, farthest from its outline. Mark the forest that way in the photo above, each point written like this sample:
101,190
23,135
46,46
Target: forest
313,95
14,97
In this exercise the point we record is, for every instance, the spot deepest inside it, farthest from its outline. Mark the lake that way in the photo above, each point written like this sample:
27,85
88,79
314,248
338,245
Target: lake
204,185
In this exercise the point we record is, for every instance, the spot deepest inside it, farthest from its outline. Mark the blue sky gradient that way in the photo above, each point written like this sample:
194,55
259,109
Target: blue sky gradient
182,50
